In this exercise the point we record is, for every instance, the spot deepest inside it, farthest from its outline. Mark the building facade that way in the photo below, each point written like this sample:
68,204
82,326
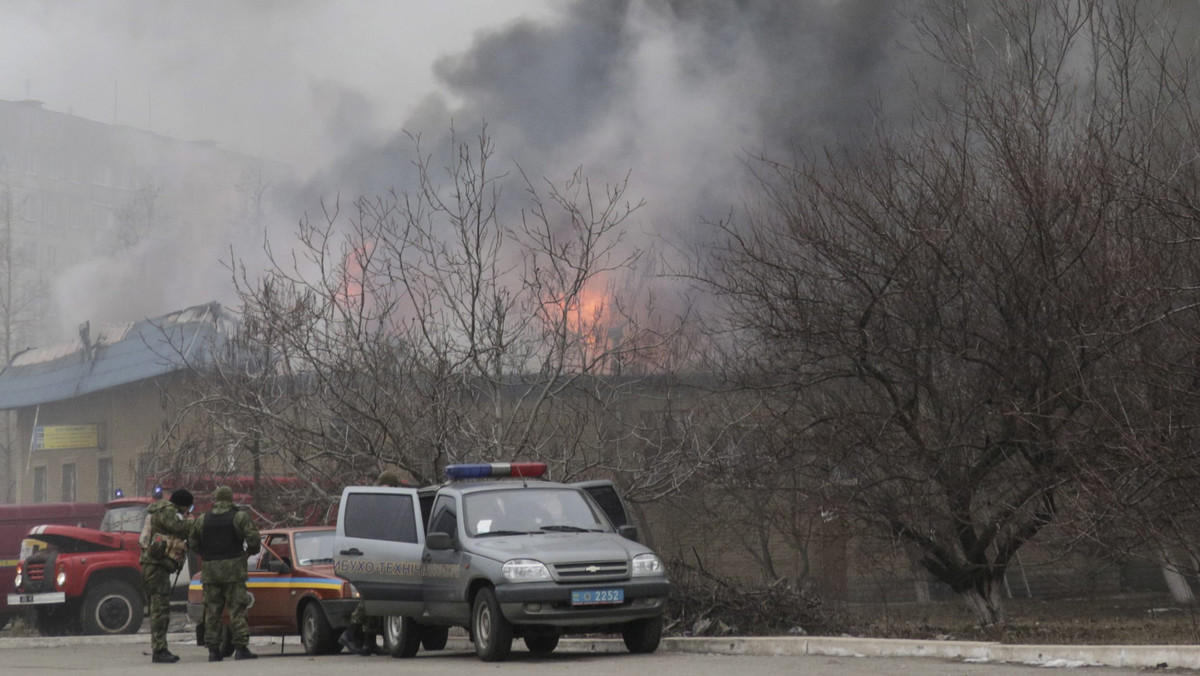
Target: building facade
90,412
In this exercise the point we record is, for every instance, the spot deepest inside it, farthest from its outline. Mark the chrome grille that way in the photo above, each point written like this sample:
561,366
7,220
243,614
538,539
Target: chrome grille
591,570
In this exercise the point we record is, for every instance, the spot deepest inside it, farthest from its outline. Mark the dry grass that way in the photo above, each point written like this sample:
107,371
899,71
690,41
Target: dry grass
1130,619
702,604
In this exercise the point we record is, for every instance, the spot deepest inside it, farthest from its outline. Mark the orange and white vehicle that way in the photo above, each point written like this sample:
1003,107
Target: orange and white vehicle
293,590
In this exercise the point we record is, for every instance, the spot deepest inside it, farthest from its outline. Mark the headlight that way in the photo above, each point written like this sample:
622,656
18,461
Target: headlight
647,564
61,579
18,579
349,591
526,570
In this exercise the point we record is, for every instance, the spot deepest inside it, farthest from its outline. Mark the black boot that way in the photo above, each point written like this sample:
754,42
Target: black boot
164,656
351,640
243,653
371,646
214,655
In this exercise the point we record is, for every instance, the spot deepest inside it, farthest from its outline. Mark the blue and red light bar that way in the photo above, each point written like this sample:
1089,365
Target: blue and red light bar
484,470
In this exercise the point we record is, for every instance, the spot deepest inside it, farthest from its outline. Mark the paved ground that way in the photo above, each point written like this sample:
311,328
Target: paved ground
126,656
882,656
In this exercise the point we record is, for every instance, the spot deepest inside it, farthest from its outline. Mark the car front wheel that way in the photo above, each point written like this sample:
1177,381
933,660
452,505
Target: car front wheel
315,632
643,636
493,634
541,643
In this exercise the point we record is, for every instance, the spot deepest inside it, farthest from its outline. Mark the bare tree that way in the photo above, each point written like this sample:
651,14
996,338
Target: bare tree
141,215
21,296
438,325
942,302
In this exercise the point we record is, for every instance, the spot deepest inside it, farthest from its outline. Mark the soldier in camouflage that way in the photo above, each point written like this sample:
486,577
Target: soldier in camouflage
225,537
164,541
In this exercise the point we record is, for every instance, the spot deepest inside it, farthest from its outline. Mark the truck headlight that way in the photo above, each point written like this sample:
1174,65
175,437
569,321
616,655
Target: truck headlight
61,579
525,570
647,564
18,579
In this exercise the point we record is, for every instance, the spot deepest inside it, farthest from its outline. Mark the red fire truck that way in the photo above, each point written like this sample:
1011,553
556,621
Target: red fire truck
15,522
73,579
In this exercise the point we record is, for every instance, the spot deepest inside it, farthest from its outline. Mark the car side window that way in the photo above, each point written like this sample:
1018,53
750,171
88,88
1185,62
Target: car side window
280,545
380,516
445,517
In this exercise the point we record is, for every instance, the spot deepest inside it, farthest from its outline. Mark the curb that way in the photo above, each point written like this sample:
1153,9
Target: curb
1127,656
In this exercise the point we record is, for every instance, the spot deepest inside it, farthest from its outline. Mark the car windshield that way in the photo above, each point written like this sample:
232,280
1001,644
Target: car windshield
530,510
314,548
124,519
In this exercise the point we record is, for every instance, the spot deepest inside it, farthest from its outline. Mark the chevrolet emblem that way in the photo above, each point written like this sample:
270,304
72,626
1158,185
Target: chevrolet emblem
593,569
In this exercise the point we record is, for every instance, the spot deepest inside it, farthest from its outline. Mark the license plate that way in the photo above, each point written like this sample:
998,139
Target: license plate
37,599
597,597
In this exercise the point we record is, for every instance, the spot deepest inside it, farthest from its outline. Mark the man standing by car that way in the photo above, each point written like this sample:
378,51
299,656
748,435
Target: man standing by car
224,538
164,542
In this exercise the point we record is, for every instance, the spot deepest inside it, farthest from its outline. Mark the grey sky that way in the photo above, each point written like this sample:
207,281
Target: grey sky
256,76
676,93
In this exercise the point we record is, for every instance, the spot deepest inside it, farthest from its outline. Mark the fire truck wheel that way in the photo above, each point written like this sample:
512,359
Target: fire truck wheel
112,607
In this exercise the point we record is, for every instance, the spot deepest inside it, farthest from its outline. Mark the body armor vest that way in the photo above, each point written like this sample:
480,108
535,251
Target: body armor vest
221,540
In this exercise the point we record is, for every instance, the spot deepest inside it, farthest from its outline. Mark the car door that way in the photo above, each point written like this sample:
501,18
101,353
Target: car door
378,548
604,492
445,580
269,580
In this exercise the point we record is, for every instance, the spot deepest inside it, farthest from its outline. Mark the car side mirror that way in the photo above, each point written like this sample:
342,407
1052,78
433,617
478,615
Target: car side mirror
278,566
439,541
628,532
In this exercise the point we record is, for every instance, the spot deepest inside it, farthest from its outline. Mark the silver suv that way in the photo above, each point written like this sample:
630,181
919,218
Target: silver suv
512,558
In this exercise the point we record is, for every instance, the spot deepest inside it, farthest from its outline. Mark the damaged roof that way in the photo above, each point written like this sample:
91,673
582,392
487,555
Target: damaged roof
115,355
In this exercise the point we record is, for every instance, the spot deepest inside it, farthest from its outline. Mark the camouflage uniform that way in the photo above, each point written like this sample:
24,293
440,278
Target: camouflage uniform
224,580
165,522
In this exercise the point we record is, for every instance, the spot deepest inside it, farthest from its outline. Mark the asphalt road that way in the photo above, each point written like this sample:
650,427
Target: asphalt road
128,656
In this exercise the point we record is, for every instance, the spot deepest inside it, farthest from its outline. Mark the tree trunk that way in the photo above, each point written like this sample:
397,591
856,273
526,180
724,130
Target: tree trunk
1174,563
985,601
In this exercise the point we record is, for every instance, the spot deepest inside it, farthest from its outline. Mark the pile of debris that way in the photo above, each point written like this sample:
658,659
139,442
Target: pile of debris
702,604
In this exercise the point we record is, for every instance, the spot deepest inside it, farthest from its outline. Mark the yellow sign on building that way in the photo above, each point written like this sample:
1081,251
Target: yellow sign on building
52,437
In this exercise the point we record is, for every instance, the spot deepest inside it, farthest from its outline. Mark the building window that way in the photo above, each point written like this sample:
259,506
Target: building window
68,482
39,484
104,479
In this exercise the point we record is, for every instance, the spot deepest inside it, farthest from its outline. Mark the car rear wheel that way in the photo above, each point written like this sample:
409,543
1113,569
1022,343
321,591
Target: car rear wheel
434,638
493,634
112,607
401,636
643,636
315,633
